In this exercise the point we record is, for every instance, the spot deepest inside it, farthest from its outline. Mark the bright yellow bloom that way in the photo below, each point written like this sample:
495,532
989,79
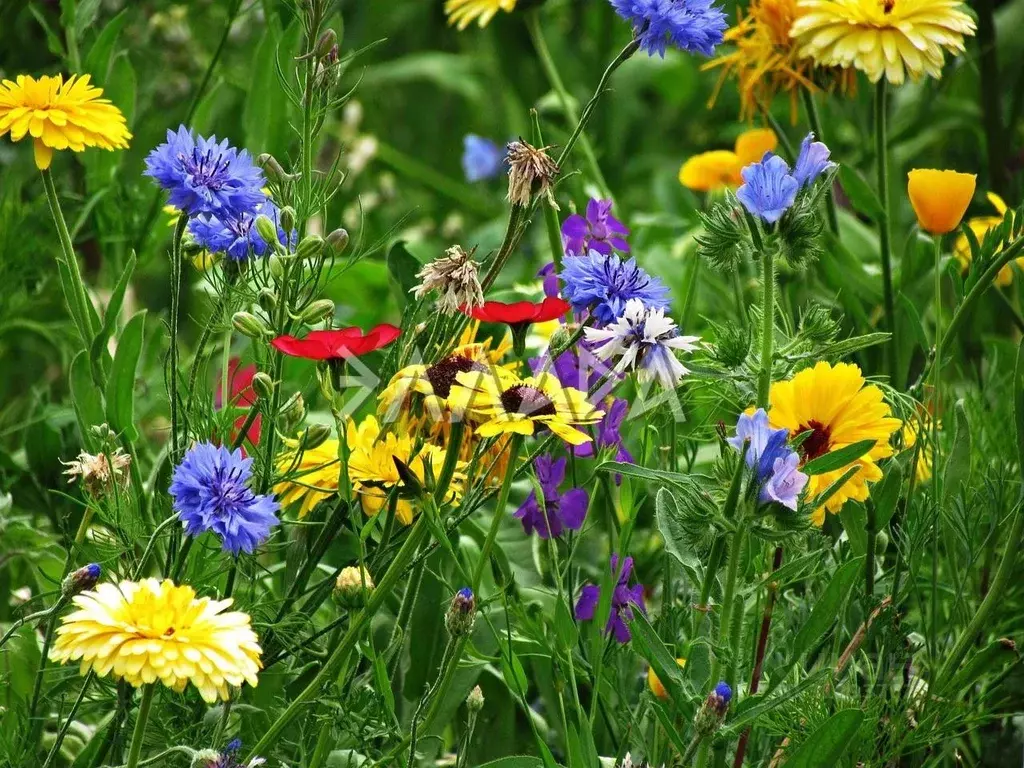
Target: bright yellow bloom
720,168
980,225
60,115
656,686
313,474
765,59
882,37
839,409
462,13
150,630
508,405
940,198
912,428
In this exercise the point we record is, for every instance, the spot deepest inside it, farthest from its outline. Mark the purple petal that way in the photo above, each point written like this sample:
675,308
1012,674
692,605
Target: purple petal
572,508
587,604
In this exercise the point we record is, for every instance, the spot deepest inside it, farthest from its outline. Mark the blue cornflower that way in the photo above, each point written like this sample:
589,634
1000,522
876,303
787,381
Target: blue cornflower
481,158
603,284
235,235
773,461
211,493
812,161
204,176
769,189
692,25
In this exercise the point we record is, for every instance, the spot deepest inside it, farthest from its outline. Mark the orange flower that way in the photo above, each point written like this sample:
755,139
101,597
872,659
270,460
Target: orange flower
720,168
940,198
656,686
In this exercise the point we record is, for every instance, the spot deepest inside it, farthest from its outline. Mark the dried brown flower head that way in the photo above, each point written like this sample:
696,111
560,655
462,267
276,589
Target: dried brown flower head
100,473
454,277
530,171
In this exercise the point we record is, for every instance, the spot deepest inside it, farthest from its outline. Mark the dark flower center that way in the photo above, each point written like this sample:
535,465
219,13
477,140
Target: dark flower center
888,6
624,279
527,400
442,375
205,169
817,443
228,492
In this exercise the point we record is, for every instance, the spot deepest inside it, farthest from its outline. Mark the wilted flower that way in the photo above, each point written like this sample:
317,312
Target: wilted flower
100,473
690,25
530,171
769,189
603,285
454,277
599,231
481,158
624,598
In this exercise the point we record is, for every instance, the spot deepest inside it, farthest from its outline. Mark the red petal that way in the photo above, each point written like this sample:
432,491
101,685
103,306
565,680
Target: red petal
550,309
337,344
308,349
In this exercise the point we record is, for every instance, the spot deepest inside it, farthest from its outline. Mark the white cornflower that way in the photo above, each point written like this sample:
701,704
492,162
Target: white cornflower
644,340
454,277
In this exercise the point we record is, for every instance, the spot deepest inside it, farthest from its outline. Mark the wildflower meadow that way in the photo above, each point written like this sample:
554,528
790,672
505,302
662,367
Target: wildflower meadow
511,383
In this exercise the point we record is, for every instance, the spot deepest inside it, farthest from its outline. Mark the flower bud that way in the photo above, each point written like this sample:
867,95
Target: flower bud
317,311
263,385
266,229
267,300
338,240
205,758
352,587
293,412
102,431
461,615
475,700
310,248
881,542
562,336
276,265
287,219
326,42
712,711
82,579
272,168
249,325
314,436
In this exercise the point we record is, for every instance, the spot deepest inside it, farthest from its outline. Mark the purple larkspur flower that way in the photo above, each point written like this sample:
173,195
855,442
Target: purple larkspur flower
609,433
691,25
210,492
775,464
769,189
235,235
603,285
624,598
206,176
812,161
481,157
599,231
560,510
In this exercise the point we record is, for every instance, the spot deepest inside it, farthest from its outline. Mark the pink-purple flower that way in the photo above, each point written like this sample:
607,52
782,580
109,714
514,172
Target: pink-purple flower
624,599
560,510
775,464
599,231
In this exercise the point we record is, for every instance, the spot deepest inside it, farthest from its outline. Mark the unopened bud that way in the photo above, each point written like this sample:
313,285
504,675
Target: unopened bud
338,240
712,711
82,579
273,170
411,488
249,325
293,412
352,587
102,431
475,700
267,299
326,42
317,311
314,436
562,336
276,265
881,542
266,229
287,219
263,385
461,615
310,248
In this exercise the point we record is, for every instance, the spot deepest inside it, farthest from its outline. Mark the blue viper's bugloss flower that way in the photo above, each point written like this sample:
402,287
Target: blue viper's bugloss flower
773,461
560,510
204,176
812,161
603,284
481,158
769,189
691,25
211,493
624,598
235,235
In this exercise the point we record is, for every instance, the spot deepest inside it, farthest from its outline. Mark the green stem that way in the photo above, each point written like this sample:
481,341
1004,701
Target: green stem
884,224
138,735
869,564
764,378
815,122
323,745
179,233
68,720
499,512
990,92
710,571
936,415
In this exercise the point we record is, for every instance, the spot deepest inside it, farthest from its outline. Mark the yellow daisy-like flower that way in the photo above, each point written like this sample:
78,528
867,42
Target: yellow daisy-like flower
940,198
720,168
839,408
60,115
912,429
144,631
313,474
765,60
462,13
509,405
980,225
890,38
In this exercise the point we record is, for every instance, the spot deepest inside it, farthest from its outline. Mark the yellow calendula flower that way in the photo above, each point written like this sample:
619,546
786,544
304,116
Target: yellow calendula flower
60,115
462,13
312,474
839,408
509,405
912,430
656,686
720,168
980,225
890,38
940,198
144,631
765,60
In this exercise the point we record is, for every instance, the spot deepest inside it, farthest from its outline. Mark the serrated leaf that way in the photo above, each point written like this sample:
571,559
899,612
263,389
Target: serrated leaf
838,458
121,385
673,532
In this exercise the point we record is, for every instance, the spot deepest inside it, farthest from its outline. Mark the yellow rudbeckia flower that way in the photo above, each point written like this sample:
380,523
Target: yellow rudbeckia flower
462,13
720,168
980,225
940,198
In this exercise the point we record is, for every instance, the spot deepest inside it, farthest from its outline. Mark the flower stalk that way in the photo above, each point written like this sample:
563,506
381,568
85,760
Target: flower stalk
141,720
885,224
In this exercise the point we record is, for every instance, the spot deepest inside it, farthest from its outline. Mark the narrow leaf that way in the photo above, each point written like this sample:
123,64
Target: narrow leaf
838,458
121,386
828,744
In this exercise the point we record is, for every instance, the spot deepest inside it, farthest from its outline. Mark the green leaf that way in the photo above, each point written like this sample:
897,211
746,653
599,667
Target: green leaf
402,266
515,761
839,482
827,608
887,494
1018,406
99,342
838,458
565,628
958,463
513,672
828,744
85,15
854,519
861,196
86,396
97,61
121,386
650,647
992,658
671,528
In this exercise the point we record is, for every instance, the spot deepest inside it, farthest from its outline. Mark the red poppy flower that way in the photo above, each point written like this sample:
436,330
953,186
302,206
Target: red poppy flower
242,394
338,344
520,313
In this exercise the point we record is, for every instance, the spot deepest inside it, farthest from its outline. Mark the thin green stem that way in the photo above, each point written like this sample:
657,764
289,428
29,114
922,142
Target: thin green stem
884,223
499,512
936,415
139,734
764,378
172,374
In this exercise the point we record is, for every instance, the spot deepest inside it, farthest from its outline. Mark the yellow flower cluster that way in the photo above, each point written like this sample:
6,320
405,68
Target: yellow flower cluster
720,168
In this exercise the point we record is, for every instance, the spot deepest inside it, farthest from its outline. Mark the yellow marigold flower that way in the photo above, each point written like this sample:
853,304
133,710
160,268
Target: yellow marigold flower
940,198
462,13
509,405
144,631
912,428
888,38
60,115
720,168
980,225
312,474
656,686
839,408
